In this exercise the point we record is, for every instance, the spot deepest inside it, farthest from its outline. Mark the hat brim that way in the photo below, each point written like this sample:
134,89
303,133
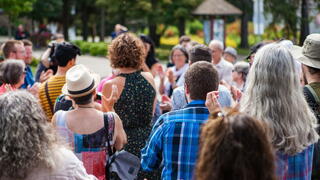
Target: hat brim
297,54
96,79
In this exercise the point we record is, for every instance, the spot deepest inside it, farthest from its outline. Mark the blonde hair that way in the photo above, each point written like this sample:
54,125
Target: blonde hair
26,139
274,95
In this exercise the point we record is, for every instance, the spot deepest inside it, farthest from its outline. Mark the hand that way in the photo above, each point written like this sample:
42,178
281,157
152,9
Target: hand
165,98
34,90
212,101
45,75
223,82
236,93
109,102
160,71
166,106
171,77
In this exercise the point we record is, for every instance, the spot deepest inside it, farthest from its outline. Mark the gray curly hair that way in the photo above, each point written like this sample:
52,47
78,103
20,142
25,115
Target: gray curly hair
26,139
274,95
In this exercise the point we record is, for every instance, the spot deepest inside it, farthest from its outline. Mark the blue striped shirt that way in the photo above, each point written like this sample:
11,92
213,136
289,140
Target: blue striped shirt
174,142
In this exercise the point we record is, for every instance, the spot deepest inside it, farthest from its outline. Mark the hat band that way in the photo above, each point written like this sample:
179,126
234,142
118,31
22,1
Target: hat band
83,90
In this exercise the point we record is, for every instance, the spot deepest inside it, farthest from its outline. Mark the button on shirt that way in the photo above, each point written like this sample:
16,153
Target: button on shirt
174,142
225,70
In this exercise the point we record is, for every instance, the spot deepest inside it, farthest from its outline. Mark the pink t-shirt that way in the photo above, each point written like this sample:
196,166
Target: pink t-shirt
103,81
4,88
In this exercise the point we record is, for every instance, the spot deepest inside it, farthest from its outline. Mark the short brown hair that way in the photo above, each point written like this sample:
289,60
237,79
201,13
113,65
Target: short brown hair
201,78
126,51
9,47
26,42
234,146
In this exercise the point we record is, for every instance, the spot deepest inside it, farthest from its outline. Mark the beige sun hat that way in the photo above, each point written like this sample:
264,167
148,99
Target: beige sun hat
80,82
309,53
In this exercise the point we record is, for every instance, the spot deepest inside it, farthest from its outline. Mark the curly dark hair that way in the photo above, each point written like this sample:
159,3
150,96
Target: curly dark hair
126,51
235,146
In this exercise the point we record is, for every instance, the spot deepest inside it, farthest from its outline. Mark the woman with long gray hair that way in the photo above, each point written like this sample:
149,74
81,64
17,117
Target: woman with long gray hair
29,148
273,95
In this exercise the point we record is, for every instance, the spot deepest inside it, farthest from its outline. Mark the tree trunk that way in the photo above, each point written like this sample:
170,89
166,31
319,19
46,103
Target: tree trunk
94,31
66,18
102,24
244,30
153,25
85,19
9,27
304,26
182,26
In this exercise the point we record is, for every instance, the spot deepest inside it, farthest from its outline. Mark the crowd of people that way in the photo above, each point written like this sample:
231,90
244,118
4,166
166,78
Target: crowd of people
205,115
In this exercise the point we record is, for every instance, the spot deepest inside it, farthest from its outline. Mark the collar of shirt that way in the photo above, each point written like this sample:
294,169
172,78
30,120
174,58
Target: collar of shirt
196,103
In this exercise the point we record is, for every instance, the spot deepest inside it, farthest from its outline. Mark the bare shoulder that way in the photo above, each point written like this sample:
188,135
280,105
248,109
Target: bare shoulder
149,78
117,80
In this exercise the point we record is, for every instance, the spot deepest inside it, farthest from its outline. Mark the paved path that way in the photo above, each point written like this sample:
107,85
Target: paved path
99,65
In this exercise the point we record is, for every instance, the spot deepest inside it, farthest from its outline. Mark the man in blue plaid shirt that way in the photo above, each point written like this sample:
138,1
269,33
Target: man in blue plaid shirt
174,141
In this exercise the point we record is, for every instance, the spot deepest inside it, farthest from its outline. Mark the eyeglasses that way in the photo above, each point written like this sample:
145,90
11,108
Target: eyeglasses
178,55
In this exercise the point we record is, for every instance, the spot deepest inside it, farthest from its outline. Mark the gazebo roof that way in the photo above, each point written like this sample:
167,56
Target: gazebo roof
216,8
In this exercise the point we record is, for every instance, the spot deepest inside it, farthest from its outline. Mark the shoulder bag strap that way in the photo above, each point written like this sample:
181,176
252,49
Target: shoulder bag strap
314,94
48,97
109,150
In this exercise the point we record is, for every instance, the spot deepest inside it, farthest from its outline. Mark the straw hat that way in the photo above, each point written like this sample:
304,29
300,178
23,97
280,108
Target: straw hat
80,82
309,53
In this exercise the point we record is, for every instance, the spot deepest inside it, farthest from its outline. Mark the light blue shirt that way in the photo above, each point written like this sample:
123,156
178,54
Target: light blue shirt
179,98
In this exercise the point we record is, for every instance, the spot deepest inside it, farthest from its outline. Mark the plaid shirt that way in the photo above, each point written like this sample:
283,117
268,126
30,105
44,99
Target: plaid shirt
174,142
297,167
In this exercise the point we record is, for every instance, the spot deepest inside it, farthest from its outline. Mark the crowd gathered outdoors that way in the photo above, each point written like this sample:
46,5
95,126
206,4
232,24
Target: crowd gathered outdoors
209,116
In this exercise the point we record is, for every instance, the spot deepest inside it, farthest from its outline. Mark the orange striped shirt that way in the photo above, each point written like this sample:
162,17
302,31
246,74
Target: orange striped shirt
55,84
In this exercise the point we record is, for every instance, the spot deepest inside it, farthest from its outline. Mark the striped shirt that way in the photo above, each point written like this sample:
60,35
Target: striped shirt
174,142
55,84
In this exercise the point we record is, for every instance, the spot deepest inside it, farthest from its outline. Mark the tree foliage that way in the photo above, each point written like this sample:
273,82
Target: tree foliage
14,7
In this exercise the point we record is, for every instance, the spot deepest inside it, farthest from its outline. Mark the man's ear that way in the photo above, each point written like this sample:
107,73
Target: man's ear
72,62
186,89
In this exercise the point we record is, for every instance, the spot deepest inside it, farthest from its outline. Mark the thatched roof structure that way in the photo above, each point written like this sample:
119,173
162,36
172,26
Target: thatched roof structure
216,8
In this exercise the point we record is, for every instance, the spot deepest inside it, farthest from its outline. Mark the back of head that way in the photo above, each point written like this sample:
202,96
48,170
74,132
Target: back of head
27,42
234,146
201,78
200,53
232,51
184,39
65,52
274,95
11,71
9,47
126,51
27,141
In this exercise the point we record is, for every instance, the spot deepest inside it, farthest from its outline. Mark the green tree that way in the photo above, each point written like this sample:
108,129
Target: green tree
51,12
246,6
13,8
178,11
286,13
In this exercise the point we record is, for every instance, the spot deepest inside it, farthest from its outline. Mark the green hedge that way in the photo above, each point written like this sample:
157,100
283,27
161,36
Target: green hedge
92,48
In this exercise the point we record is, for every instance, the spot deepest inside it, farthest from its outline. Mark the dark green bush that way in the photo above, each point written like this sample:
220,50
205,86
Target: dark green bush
98,49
